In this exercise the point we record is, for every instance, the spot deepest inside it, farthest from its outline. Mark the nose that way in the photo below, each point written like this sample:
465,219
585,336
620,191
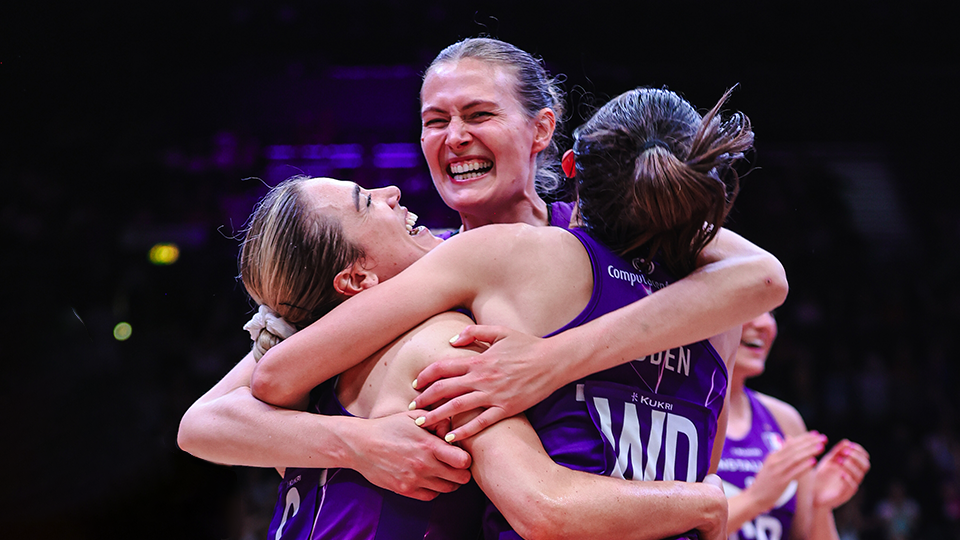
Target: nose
390,194
457,133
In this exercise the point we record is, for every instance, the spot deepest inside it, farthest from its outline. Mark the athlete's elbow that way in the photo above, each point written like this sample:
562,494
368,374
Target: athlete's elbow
537,526
548,521
267,386
777,282
771,285
189,434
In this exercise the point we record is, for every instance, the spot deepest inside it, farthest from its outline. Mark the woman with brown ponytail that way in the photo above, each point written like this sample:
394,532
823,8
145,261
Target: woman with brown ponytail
489,111
655,183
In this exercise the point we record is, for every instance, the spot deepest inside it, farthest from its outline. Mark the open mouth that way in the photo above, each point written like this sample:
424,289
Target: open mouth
752,344
468,170
412,228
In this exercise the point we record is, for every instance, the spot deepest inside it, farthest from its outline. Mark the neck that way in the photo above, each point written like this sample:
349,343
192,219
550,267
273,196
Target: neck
530,210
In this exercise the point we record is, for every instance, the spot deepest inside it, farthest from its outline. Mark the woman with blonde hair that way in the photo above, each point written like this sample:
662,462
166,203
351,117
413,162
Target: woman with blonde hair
655,182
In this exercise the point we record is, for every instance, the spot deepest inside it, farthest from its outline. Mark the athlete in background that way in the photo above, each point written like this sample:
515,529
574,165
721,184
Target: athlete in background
776,486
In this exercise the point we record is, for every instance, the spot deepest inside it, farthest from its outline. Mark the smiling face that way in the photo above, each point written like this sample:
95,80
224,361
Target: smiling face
755,343
479,144
375,220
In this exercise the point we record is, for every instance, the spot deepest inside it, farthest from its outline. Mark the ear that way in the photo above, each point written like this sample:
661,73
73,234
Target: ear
569,164
545,123
353,279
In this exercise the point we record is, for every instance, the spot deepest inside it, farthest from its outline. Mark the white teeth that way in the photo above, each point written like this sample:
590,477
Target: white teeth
470,169
411,221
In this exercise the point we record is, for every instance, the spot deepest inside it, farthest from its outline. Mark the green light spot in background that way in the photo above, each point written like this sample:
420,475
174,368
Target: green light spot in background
122,331
164,254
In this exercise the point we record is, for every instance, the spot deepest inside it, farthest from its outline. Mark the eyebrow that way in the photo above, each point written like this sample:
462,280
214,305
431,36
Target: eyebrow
472,105
356,196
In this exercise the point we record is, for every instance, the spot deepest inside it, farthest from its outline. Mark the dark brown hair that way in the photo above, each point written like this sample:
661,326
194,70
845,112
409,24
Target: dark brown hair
289,257
654,178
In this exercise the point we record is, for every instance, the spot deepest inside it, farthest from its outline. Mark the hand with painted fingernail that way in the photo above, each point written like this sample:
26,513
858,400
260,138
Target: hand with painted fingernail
839,474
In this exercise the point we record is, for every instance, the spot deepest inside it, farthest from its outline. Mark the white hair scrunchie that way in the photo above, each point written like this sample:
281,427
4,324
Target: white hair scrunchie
272,321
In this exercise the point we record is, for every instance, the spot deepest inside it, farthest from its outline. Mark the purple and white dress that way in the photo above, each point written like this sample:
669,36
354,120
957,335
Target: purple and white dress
654,418
315,504
742,460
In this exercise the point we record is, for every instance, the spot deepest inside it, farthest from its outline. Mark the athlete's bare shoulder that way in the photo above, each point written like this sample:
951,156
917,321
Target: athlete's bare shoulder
511,235
786,415
430,341
505,249
382,386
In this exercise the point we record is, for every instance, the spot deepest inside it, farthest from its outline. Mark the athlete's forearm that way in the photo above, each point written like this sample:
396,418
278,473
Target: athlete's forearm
823,526
239,429
228,425
541,499
742,508
352,332
738,283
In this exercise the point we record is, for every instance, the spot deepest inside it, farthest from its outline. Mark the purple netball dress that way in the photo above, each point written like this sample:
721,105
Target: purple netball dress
318,504
341,503
654,418
742,460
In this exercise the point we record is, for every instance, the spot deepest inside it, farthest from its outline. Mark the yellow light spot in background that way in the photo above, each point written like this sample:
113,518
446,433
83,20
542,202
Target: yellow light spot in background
122,331
164,254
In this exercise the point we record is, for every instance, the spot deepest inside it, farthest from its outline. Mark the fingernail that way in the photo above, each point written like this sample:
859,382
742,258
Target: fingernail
412,406
421,420
454,339
450,437
414,384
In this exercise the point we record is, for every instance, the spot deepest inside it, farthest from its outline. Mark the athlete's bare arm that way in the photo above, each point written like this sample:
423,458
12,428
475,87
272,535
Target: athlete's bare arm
822,485
792,462
539,498
736,282
228,425
506,273
726,345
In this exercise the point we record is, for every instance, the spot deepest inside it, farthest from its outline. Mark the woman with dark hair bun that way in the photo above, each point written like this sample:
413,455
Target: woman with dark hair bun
653,418
489,111
681,173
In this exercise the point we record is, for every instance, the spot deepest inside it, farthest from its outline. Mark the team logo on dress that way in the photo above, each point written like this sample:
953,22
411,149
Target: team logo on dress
640,265
772,439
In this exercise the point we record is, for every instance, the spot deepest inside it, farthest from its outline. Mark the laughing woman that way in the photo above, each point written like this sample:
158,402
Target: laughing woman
489,112
655,183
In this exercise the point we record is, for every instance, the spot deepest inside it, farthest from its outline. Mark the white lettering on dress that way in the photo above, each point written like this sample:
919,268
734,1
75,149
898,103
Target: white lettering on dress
665,430
682,357
633,278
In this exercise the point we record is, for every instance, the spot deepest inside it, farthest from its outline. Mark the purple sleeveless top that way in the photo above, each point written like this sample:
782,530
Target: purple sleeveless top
341,503
742,460
318,504
654,418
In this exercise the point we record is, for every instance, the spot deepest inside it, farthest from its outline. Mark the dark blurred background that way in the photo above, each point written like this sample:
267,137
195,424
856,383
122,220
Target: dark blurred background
140,124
